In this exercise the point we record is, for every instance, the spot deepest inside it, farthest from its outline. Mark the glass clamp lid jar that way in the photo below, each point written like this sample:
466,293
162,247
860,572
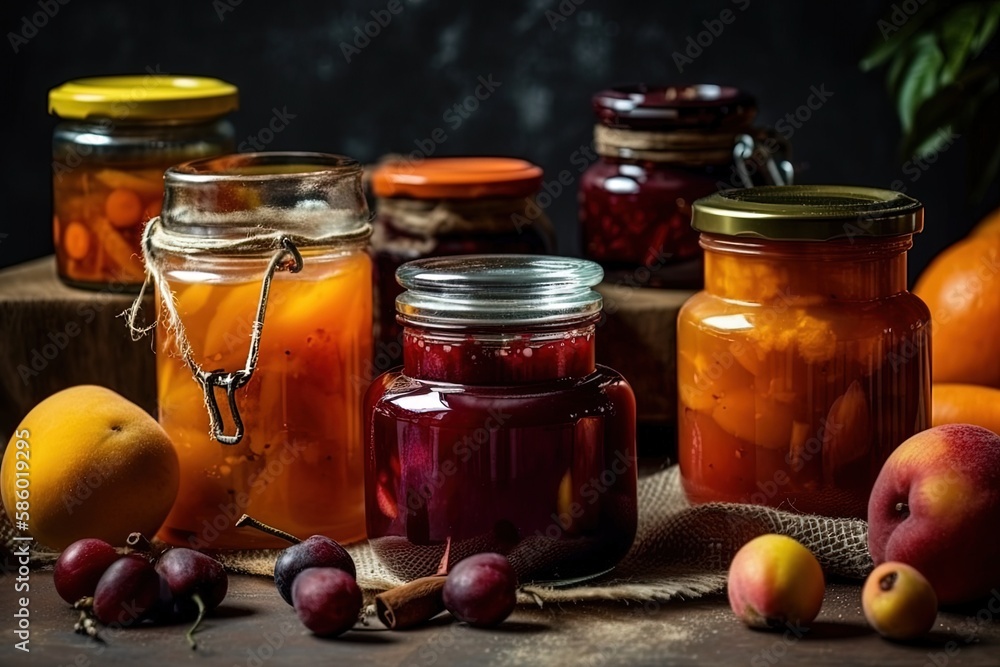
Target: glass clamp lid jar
449,206
660,148
117,136
805,361
500,433
241,238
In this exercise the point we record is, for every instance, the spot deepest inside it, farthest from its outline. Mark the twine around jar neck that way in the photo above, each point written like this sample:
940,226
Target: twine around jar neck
438,217
692,147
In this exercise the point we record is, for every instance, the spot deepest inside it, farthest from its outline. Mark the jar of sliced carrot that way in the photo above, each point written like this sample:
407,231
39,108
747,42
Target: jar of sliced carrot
116,137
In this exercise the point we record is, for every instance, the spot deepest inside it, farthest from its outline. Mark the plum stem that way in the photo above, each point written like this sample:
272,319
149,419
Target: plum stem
903,509
247,520
139,542
201,614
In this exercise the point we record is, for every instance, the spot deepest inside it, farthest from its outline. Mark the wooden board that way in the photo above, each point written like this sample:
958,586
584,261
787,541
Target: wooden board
53,336
638,338
255,628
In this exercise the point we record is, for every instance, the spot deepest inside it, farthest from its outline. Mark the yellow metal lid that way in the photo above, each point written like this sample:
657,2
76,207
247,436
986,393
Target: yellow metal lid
144,97
808,213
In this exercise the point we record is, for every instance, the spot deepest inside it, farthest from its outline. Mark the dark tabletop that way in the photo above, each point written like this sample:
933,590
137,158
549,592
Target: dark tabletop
254,628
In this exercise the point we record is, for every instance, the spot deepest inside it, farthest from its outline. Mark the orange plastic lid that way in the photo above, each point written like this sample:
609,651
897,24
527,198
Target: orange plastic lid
457,178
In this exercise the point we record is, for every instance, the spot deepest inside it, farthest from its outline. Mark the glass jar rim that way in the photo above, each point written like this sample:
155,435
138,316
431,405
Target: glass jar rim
644,106
242,203
498,291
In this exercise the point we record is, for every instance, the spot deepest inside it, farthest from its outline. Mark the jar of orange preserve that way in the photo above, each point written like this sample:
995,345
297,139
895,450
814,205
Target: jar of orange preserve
805,361
115,138
265,298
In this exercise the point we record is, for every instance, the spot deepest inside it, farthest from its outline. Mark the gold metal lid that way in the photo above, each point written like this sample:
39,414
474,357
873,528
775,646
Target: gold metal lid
808,213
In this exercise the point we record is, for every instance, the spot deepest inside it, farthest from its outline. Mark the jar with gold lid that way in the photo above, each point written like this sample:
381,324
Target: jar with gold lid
805,361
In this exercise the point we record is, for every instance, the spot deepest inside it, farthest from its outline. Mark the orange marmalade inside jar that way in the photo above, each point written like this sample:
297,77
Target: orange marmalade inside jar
805,361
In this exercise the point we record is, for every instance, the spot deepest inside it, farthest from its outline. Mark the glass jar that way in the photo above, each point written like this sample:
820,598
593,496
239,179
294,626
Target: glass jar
117,136
240,237
448,206
805,362
660,148
500,433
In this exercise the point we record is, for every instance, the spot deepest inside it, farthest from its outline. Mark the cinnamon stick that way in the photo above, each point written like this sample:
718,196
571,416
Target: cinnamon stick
411,604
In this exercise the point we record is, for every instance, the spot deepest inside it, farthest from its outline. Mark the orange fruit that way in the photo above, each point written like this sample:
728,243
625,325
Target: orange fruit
988,225
966,404
86,462
961,287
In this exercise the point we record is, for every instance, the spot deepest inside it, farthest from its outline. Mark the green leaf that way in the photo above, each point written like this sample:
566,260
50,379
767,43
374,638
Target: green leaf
987,28
920,80
950,106
958,30
898,40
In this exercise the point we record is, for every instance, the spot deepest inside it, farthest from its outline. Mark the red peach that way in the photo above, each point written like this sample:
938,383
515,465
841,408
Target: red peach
936,506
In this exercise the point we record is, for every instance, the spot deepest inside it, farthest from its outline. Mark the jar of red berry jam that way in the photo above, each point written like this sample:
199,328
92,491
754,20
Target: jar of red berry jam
500,433
805,361
448,206
660,148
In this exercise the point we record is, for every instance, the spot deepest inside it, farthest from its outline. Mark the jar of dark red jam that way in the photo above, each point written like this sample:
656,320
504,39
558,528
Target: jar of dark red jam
660,148
805,361
500,433
448,206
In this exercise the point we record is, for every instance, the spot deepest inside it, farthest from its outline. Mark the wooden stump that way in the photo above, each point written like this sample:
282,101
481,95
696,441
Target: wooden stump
639,340
54,337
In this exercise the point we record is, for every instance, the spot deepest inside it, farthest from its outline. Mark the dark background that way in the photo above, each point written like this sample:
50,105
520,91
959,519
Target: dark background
287,55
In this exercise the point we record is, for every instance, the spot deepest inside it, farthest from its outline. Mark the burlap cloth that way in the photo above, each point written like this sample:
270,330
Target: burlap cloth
679,551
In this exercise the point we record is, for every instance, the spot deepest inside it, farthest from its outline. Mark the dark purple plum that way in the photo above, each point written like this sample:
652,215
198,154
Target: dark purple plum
316,551
128,591
80,567
327,600
189,573
481,590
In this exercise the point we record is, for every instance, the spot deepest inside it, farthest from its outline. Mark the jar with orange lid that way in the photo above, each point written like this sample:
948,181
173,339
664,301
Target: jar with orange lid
116,137
805,361
448,206
241,237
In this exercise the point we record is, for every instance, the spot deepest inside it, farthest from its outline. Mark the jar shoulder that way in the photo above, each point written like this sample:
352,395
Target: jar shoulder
605,391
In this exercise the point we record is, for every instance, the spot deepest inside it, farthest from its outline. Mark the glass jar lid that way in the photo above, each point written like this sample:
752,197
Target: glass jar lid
498,291
144,97
457,178
234,203
808,213
643,106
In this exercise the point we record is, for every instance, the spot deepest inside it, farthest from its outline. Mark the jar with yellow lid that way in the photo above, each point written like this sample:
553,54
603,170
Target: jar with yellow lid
805,361
116,137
